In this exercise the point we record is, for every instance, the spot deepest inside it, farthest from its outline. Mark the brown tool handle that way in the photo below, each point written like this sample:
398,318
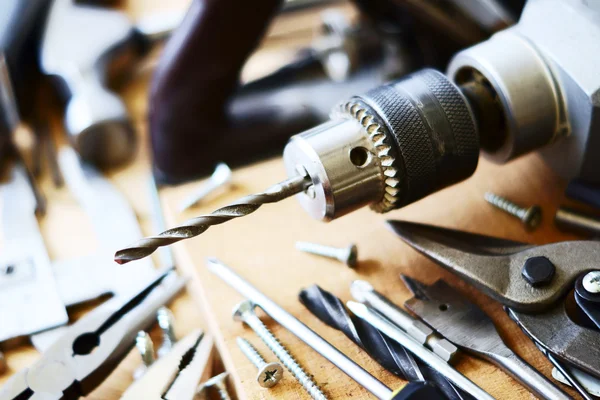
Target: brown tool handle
197,75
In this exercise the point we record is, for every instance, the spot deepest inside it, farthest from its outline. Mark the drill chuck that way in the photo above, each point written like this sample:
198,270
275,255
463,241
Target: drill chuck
387,148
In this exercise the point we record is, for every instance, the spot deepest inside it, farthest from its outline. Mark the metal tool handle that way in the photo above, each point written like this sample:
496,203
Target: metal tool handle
529,377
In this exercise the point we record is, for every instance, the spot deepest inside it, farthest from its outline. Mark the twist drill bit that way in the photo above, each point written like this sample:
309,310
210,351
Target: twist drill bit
388,353
196,226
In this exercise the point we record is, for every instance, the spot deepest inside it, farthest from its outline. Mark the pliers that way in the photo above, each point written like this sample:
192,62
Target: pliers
176,375
535,283
88,351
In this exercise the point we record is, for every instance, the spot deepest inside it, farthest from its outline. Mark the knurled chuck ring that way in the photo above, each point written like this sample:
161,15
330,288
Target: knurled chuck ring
382,150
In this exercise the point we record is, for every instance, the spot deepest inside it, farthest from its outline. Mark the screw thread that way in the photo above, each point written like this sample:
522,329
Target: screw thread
223,393
166,321
318,249
144,344
250,352
506,205
284,356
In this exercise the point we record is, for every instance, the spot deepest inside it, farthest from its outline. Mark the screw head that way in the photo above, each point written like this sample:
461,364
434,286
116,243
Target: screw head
269,375
591,282
538,271
242,308
350,256
532,217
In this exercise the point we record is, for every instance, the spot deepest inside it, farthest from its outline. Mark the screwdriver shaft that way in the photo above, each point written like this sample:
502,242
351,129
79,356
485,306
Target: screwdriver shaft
196,226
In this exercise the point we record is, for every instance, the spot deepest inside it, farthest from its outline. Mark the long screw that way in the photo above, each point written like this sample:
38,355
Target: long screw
217,382
166,321
347,255
196,226
245,312
530,217
269,374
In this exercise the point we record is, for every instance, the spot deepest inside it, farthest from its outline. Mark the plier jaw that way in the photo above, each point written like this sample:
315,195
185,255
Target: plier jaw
495,266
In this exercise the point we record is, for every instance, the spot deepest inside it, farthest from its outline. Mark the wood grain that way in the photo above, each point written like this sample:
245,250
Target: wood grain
260,247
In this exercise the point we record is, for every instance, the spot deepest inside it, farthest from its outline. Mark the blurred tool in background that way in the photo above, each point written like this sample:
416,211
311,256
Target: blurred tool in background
199,76
82,47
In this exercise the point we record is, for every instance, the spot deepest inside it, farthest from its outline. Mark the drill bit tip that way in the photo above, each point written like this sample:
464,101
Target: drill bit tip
196,226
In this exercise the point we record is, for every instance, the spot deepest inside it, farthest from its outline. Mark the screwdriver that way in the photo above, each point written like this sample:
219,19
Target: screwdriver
413,390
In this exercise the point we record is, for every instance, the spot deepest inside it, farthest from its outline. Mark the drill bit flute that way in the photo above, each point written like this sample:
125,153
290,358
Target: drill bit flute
196,226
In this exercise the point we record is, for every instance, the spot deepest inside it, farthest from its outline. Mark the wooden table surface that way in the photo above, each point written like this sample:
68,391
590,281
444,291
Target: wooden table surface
261,248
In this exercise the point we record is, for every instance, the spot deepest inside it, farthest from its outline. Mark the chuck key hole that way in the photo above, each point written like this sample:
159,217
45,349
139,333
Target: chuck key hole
444,307
360,157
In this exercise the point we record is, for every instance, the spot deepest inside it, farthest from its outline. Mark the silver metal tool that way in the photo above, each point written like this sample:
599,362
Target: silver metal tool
571,220
363,292
145,346
495,265
269,374
397,334
530,217
467,326
588,383
196,226
566,372
86,353
347,255
28,290
220,179
218,382
166,322
88,277
244,312
301,331
79,45
175,376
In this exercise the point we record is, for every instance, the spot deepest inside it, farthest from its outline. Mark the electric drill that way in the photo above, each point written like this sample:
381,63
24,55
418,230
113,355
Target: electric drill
529,87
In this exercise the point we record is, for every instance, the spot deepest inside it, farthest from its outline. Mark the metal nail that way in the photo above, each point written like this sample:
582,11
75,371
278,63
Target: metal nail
568,219
269,374
530,217
220,178
347,255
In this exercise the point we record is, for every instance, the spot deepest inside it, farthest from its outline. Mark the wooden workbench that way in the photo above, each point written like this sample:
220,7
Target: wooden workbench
261,248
